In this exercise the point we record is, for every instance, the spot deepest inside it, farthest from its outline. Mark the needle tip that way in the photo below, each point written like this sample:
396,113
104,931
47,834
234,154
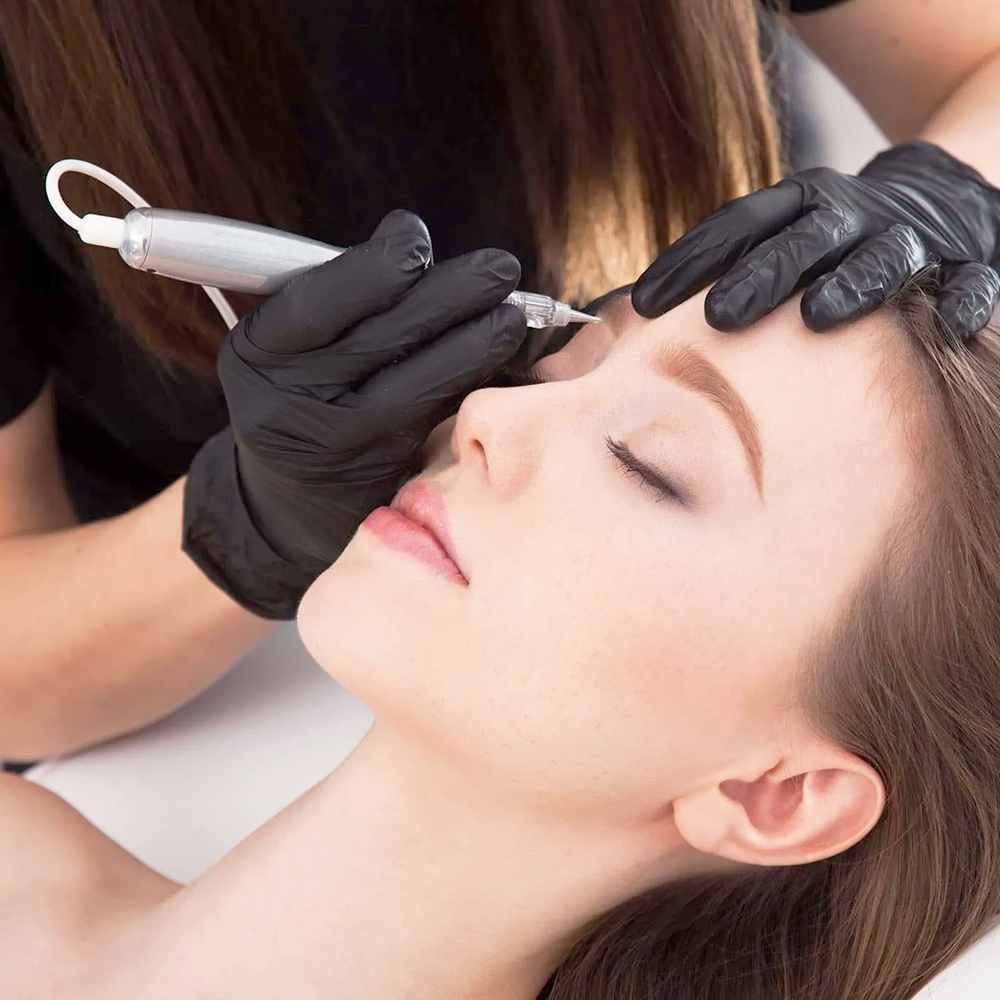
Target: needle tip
575,316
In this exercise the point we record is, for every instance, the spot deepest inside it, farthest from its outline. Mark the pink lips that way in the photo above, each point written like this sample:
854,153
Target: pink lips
417,523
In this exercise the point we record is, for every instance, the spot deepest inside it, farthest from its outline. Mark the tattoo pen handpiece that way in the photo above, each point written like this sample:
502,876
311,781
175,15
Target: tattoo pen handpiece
243,257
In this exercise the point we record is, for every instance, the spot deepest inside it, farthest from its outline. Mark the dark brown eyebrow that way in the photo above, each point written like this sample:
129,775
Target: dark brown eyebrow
689,367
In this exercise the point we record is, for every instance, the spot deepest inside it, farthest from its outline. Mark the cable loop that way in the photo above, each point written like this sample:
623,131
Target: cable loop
55,175
59,206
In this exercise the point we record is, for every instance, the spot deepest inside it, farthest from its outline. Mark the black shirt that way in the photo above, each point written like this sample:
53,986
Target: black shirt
414,92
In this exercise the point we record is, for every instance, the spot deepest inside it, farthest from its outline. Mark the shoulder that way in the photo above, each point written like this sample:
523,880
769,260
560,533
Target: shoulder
64,888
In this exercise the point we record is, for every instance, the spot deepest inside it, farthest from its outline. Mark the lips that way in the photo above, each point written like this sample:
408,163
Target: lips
419,502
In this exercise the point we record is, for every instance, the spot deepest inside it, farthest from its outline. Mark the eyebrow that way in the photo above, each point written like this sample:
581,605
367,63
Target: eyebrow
689,367
692,369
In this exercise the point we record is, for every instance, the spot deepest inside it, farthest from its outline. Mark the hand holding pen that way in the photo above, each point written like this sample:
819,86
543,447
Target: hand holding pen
332,386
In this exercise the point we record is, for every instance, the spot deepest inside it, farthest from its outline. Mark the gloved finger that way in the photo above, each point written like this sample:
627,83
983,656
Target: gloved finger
769,274
314,308
410,398
448,294
712,247
400,222
865,279
968,297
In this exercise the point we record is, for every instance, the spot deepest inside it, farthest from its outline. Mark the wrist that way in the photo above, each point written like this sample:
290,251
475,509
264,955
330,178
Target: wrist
221,538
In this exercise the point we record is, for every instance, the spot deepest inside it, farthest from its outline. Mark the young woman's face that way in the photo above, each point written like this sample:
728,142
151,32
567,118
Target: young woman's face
616,645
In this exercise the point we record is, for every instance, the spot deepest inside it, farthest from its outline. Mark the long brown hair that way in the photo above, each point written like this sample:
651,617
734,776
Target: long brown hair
633,121
909,680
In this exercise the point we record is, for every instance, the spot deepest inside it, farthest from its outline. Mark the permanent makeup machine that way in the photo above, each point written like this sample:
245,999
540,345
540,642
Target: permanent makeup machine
219,253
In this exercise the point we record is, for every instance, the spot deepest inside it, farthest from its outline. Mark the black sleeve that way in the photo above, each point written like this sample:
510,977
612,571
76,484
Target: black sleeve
23,308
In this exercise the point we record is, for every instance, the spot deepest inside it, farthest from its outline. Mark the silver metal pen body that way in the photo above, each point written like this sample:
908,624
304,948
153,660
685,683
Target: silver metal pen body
223,253
243,257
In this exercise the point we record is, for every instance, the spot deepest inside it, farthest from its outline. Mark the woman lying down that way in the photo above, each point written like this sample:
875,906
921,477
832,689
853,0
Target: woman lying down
705,706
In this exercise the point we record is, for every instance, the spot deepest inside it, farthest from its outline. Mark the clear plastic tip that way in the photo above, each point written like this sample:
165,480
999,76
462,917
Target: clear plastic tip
543,311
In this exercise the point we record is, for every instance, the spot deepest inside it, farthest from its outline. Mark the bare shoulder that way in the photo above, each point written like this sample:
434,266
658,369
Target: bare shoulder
66,891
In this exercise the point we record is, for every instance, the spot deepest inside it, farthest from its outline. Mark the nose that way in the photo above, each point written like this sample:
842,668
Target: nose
497,435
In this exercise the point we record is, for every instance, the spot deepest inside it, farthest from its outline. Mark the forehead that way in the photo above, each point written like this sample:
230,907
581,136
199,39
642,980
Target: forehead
780,368
839,396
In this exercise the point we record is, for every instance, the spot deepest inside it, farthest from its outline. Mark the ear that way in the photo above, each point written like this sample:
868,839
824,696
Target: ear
800,810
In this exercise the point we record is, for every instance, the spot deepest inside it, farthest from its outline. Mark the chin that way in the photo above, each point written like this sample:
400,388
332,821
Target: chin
357,623
336,613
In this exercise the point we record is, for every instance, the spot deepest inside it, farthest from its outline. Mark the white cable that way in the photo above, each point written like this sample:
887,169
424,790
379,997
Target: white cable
117,185
60,207
226,311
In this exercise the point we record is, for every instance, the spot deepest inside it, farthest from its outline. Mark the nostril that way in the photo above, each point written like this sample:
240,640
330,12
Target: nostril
478,453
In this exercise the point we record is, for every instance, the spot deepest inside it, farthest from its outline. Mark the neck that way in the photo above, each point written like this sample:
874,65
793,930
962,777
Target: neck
397,877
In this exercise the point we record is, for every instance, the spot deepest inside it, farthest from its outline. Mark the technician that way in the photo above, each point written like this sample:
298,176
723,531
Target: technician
162,501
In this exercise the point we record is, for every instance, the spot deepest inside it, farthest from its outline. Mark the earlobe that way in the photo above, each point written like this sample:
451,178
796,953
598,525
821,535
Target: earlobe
786,815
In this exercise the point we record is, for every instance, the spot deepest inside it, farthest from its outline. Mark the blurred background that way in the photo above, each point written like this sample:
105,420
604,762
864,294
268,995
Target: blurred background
829,128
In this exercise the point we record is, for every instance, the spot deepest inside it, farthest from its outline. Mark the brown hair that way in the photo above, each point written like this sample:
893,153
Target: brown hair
910,681
632,124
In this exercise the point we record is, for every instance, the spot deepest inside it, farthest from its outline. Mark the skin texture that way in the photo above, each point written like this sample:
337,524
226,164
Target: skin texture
611,702
67,892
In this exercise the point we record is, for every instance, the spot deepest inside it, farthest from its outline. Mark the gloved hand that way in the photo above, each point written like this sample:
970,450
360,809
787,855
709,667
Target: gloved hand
332,386
854,241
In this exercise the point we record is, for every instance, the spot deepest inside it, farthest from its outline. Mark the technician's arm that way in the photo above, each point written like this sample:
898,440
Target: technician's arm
104,627
926,69
332,387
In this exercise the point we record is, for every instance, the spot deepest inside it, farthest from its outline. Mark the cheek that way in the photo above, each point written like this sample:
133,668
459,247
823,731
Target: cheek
582,669
606,678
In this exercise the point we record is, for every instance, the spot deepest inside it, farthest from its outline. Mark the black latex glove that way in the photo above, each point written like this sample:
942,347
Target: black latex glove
332,386
854,241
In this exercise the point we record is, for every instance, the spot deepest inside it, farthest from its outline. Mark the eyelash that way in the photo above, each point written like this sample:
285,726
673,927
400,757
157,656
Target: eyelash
512,375
662,487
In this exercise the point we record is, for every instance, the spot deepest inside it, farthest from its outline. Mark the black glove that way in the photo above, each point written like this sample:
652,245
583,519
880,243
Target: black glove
332,386
854,241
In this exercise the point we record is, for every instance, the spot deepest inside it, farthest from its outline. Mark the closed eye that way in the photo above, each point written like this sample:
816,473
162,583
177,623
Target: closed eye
511,375
662,487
